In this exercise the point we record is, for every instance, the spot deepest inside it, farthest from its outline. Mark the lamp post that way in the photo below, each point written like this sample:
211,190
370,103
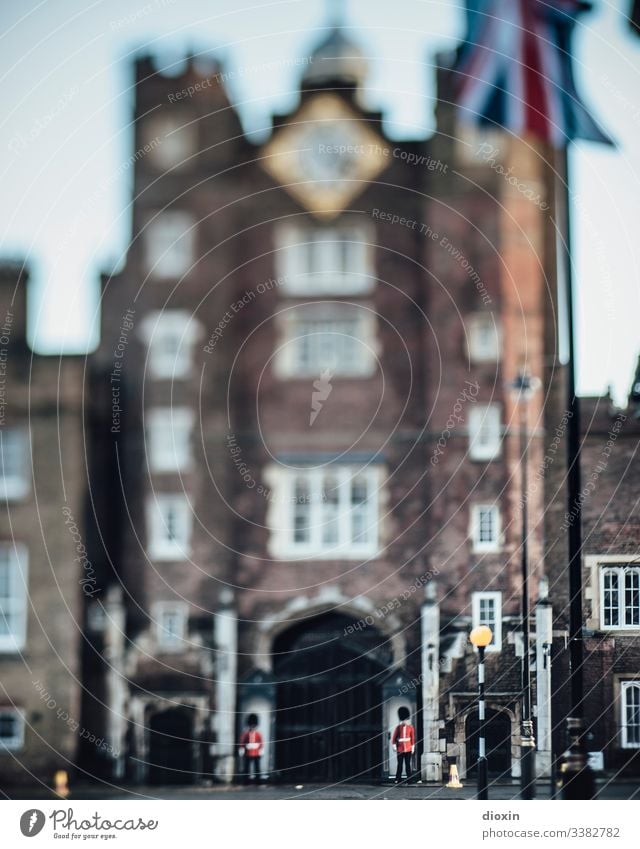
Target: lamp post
523,386
576,776
480,637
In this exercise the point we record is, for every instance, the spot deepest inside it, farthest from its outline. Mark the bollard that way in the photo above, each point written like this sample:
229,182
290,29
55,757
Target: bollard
454,779
61,783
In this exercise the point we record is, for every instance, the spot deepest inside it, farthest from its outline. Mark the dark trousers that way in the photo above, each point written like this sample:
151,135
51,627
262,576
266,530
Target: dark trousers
404,758
250,763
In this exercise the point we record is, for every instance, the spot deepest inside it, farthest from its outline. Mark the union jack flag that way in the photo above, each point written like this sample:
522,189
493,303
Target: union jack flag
514,70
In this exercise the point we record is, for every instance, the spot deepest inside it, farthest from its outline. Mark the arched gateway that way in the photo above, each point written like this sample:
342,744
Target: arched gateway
328,675
498,737
328,701
171,741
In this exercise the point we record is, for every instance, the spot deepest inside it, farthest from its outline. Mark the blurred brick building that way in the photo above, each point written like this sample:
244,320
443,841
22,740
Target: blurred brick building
304,478
306,447
45,573
611,580
313,472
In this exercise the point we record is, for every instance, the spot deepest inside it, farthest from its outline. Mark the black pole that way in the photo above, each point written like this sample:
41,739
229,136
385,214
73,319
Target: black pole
575,774
527,741
483,784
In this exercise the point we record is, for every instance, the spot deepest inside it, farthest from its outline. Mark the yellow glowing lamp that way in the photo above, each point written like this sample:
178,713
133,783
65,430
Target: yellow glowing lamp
481,636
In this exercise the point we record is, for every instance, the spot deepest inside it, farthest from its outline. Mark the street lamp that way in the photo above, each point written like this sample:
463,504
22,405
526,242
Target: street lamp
576,776
523,387
480,637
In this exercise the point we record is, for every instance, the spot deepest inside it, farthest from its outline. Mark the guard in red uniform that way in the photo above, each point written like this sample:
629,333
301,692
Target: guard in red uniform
251,748
404,743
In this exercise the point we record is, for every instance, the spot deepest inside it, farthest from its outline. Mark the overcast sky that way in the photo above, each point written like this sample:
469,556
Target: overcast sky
66,102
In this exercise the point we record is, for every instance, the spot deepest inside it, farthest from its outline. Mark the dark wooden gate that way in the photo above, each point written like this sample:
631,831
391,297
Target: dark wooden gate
329,713
171,747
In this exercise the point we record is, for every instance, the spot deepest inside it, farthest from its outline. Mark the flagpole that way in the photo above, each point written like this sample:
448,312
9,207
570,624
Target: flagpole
576,776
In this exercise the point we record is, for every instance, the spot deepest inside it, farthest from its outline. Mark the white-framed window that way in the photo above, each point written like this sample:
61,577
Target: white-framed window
486,609
11,729
620,596
485,425
329,512
168,432
13,596
485,527
171,625
171,137
169,526
169,243
330,260
630,714
483,338
170,336
14,463
327,339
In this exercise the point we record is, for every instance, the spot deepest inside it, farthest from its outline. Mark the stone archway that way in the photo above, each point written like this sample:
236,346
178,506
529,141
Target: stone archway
464,722
361,610
171,747
329,703
147,728
497,732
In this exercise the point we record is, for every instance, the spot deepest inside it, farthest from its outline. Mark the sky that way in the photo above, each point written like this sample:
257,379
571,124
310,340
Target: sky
66,103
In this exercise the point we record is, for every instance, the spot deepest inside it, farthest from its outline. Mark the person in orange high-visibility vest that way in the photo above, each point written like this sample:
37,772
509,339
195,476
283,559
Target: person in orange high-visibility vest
404,743
251,748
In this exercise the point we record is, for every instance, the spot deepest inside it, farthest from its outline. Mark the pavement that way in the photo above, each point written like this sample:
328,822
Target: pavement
605,790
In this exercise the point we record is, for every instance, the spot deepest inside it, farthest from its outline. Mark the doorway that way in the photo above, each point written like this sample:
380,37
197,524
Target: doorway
171,747
497,730
328,700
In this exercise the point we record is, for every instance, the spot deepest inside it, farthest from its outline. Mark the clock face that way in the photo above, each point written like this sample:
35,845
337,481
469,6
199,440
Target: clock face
330,152
327,157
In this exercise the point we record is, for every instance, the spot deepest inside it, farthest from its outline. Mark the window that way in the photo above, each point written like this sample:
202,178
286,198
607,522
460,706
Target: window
169,439
486,609
331,512
325,260
483,338
630,719
11,729
169,521
484,432
323,339
620,597
171,625
171,137
13,597
485,527
14,456
170,336
326,344
169,241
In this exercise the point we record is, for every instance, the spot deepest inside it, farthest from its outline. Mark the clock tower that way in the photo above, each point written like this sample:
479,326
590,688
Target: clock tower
315,435
330,395
328,150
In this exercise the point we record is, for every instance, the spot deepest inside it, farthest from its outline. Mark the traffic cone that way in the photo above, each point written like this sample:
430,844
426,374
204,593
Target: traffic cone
454,780
61,784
